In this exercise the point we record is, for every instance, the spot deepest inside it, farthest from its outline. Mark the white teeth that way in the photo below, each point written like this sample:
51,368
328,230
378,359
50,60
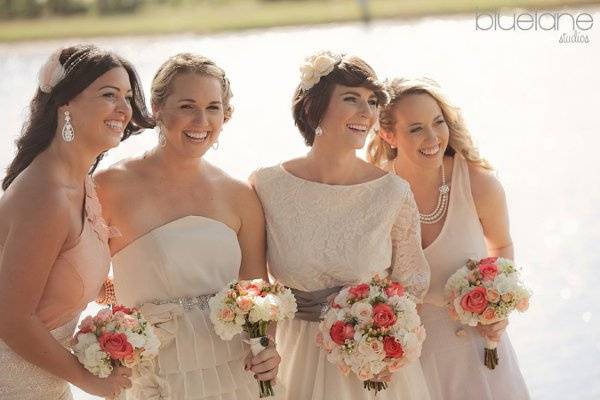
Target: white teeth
357,127
430,151
114,125
196,135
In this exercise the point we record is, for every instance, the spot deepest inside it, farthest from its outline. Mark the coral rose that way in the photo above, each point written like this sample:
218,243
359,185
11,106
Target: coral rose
383,316
474,301
116,345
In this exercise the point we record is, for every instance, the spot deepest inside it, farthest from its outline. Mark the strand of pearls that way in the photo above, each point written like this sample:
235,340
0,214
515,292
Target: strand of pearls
442,204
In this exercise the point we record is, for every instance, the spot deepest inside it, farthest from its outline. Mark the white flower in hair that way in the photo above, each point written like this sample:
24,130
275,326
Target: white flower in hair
314,68
51,72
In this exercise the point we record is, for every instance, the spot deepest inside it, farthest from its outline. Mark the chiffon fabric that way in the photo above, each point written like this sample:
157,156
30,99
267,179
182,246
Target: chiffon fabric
74,280
320,236
453,354
188,257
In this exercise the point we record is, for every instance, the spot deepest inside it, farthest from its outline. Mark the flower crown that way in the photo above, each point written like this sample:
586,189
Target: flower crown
315,67
51,72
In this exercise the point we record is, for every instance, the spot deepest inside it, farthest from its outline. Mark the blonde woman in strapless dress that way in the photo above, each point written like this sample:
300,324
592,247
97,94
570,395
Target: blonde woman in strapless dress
187,230
424,140
54,254
329,224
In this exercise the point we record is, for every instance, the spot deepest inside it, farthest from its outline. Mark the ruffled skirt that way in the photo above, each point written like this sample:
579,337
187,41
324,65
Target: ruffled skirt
453,364
193,363
307,375
21,380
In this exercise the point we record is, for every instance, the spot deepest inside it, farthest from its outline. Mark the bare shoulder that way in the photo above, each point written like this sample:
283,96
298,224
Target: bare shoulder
485,186
119,173
237,189
37,200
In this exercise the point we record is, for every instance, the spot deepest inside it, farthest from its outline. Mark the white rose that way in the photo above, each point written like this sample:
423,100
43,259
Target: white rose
323,64
137,340
362,311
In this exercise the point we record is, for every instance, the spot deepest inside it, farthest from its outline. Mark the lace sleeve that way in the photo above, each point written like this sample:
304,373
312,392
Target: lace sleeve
409,265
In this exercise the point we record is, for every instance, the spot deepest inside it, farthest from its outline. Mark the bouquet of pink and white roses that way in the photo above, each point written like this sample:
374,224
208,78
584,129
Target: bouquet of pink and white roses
250,306
484,292
372,329
114,336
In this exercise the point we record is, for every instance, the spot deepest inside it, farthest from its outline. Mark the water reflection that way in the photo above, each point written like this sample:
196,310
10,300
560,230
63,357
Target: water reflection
530,102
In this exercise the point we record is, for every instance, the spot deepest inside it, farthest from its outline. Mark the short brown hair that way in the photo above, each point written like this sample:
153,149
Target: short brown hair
308,106
189,63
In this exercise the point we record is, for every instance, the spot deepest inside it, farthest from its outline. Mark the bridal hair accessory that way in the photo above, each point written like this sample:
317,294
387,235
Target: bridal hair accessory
315,67
51,72
68,133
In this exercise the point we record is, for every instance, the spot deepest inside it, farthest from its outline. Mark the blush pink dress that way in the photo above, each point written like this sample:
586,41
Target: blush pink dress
453,364
74,280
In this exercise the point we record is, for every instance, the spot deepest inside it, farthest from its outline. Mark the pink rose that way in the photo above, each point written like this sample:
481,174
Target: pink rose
523,304
87,325
507,297
488,271
488,260
244,303
474,301
226,314
383,316
359,291
492,295
116,345
392,348
489,314
395,289
118,307
253,290
103,316
340,331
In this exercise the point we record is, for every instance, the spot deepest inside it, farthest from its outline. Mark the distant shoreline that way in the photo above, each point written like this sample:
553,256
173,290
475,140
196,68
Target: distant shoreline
240,15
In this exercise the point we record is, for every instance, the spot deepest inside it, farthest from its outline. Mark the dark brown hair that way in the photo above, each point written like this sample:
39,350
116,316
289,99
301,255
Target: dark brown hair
309,106
83,64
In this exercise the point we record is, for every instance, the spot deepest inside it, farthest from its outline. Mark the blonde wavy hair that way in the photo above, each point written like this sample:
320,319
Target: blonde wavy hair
379,151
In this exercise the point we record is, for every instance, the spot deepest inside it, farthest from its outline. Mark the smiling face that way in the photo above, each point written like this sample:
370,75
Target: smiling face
349,116
420,130
101,112
192,115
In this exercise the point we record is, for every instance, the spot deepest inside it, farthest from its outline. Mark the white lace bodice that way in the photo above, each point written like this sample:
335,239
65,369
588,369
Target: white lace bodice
321,236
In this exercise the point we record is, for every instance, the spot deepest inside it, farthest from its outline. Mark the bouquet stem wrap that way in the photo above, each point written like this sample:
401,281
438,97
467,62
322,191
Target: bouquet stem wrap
491,354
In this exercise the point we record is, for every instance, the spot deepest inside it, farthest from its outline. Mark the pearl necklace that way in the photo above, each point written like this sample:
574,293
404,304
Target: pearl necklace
442,204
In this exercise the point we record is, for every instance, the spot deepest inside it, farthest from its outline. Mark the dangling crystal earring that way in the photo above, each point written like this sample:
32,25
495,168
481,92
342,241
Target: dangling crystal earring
319,131
68,133
215,145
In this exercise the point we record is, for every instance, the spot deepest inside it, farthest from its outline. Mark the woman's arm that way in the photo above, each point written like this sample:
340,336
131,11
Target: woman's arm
252,235
38,231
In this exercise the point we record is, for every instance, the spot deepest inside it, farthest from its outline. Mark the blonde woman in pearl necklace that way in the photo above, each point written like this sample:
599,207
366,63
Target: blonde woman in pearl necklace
463,214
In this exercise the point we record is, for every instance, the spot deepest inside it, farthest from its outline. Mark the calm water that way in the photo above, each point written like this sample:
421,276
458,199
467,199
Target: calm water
531,103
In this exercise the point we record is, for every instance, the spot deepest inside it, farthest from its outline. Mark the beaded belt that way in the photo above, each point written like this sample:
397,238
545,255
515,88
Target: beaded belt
188,303
312,304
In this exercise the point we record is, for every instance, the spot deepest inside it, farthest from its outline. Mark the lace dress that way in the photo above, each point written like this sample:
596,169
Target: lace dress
74,280
320,236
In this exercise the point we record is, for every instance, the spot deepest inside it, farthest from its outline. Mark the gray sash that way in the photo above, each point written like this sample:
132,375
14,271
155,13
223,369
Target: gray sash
312,304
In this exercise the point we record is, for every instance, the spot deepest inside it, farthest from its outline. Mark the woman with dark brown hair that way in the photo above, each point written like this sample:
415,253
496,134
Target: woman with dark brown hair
54,252
329,224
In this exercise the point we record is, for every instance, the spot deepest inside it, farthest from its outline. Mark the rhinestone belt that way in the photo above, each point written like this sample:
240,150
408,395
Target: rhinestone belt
188,303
